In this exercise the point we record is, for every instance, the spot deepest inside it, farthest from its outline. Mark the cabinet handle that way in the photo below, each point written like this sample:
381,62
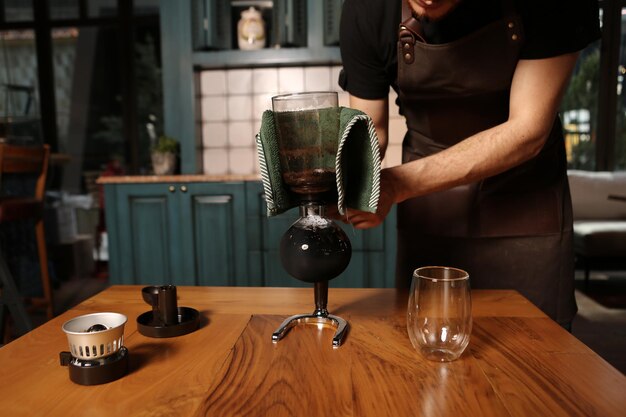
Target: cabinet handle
183,188
171,188
215,199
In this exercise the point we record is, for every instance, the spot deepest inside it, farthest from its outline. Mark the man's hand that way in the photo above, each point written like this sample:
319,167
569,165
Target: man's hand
364,219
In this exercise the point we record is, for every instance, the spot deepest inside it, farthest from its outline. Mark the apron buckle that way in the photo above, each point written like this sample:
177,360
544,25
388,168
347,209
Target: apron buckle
407,44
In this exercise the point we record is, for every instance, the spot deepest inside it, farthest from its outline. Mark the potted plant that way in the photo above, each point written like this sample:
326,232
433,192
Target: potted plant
164,153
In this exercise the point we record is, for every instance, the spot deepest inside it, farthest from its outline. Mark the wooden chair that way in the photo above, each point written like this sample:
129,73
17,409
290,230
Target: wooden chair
34,161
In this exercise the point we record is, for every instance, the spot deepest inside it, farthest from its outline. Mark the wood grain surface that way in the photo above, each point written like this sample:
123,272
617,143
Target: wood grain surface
518,363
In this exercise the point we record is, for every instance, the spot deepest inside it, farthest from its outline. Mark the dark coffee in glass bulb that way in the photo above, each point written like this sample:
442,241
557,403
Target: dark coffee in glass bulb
307,143
315,248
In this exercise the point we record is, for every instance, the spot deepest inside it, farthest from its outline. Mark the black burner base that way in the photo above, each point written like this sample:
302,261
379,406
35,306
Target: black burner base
99,371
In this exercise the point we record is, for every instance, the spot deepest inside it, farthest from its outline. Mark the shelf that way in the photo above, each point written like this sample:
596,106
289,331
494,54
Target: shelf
318,19
266,57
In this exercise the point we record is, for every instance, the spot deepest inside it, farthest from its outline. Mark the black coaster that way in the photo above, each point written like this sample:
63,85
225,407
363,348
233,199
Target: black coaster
188,319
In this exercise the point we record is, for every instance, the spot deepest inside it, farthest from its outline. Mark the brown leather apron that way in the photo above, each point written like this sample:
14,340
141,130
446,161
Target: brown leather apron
513,230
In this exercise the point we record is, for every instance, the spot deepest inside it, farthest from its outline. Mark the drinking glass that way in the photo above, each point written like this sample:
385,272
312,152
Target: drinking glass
439,313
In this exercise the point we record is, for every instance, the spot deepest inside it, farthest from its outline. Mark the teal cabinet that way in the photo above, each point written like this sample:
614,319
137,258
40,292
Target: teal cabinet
178,233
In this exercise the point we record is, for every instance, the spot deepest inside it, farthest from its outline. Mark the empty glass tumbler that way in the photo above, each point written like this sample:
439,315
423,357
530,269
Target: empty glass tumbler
439,313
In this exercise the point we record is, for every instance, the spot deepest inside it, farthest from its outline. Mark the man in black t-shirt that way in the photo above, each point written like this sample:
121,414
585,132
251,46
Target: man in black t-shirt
483,182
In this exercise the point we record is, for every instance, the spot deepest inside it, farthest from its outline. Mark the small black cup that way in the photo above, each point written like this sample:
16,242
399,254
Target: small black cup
166,319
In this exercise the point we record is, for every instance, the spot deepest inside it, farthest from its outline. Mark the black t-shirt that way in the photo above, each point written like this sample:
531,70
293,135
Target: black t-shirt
369,32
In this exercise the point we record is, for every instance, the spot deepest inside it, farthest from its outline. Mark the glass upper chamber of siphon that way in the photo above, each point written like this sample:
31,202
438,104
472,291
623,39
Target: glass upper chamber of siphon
314,249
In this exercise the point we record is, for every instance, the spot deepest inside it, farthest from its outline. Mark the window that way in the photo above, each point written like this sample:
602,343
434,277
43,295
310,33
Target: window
19,104
619,154
594,106
91,71
579,110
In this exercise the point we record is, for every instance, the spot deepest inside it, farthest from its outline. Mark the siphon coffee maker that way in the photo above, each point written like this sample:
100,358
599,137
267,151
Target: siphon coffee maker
314,249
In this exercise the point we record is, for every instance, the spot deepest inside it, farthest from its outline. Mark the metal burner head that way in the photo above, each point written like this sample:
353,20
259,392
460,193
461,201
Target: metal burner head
89,344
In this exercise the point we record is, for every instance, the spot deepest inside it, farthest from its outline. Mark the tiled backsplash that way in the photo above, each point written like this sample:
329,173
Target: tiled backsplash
232,102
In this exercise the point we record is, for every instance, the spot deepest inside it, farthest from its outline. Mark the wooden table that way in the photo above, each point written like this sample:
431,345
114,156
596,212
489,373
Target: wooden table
518,363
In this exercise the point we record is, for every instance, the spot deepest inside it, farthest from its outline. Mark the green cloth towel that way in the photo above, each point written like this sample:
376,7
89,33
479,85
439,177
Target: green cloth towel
357,165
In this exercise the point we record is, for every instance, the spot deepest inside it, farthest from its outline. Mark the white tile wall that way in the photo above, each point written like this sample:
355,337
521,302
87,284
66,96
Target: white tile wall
215,134
317,79
233,101
239,81
214,109
265,80
215,161
241,134
239,107
213,82
260,103
290,80
241,161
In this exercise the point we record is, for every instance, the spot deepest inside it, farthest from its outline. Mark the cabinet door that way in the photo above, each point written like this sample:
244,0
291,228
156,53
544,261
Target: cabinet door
213,239
182,234
139,223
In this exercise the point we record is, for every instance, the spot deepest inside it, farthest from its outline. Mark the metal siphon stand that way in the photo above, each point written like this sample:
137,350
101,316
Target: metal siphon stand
319,316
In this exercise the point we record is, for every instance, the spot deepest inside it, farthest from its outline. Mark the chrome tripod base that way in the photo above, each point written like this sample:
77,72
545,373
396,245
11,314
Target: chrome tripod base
316,318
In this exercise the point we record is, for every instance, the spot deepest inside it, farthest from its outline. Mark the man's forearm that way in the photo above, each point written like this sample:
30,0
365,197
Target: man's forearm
536,90
480,156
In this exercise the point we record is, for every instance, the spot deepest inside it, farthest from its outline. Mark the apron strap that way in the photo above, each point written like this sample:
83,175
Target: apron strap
508,9
409,32
515,26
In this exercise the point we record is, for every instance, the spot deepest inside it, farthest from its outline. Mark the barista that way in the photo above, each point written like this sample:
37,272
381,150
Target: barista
483,181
